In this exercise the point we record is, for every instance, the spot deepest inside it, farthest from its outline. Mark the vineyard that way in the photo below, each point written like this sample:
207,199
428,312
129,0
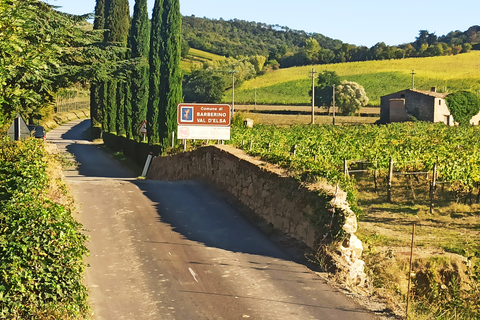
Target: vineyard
319,152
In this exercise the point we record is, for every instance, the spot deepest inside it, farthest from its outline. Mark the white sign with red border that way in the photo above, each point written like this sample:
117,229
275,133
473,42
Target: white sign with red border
203,121
143,127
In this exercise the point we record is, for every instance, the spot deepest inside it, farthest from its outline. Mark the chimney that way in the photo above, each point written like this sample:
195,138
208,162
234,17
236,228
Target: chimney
433,89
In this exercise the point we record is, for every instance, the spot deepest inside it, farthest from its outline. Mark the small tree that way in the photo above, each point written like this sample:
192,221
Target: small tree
350,97
463,105
205,85
324,90
258,62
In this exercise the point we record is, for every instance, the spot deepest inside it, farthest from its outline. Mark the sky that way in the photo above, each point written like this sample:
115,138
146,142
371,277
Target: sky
364,22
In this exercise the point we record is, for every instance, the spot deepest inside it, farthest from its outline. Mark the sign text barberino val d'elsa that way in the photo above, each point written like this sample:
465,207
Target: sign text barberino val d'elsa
203,121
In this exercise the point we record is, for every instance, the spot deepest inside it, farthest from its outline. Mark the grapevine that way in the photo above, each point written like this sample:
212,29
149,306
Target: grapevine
320,151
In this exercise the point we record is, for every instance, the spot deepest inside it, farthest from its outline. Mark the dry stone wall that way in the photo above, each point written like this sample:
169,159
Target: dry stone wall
273,195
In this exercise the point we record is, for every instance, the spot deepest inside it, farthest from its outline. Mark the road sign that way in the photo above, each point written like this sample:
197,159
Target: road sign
203,114
203,133
19,129
143,127
203,121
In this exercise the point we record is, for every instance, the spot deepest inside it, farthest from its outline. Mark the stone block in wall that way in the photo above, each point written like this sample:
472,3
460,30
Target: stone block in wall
350,258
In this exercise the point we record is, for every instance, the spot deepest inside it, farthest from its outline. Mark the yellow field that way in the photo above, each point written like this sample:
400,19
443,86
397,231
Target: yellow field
462,66
205,55
196,58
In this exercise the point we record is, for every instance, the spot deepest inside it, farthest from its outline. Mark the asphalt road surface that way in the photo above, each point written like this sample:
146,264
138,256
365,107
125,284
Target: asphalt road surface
178,250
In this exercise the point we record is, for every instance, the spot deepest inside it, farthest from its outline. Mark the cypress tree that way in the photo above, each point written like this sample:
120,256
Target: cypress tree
139,44
170,72
96,89
154,74
110,107
117,21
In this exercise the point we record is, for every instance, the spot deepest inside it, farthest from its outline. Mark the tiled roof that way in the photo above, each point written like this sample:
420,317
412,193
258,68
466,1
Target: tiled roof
431,93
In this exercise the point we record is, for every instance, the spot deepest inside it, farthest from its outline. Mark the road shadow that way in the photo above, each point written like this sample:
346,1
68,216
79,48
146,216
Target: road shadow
91,158
194,209
201,214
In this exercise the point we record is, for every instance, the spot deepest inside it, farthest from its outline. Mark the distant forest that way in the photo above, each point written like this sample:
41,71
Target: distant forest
284,47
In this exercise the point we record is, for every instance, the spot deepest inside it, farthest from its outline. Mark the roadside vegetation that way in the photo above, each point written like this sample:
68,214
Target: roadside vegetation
41,246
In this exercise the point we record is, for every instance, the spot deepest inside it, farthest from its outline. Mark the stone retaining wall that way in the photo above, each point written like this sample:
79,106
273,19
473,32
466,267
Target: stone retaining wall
309,213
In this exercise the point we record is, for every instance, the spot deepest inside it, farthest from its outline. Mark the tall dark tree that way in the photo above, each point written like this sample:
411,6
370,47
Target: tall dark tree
139,44
154,74
165,75
117,21
97,90
170,73
324,90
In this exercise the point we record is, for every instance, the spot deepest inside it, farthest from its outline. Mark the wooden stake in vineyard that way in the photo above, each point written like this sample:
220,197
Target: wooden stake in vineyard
433,187
333,102
389,182
410,270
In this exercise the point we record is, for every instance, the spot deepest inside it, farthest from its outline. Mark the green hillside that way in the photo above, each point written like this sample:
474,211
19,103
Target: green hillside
291,86
196,58
237,37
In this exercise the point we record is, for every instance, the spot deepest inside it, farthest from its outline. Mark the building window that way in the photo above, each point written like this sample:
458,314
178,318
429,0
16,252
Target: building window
402,95
439,102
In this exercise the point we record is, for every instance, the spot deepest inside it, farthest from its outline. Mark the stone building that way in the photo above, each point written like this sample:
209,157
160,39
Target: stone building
422,105
412,104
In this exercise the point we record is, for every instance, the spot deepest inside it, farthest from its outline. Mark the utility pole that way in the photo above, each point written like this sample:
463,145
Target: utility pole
413,78
233,90
333,102
255,108
313,95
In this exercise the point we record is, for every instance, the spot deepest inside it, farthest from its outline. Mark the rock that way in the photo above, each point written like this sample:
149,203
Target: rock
248,123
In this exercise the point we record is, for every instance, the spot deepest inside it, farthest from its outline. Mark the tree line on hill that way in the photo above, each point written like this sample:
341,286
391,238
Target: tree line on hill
284,47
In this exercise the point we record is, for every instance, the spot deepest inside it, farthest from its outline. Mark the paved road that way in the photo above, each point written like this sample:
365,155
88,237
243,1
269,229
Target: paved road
178,250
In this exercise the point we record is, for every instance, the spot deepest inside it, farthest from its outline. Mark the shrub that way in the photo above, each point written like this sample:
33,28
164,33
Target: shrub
41,247
463,105
351,97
